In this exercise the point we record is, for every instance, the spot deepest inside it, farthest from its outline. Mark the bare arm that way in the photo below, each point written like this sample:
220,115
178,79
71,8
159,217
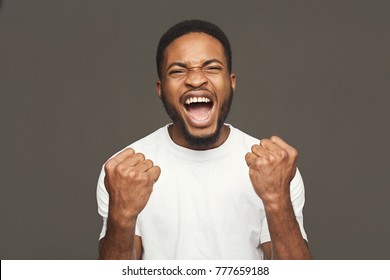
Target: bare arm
272,166
287,241
266,247
120,247
129,181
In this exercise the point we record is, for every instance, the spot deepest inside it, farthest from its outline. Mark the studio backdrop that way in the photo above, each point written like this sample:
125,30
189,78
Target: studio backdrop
77,84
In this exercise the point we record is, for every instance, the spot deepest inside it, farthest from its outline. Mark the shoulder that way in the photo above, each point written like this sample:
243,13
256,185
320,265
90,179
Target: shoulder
151,141
148,143
244,138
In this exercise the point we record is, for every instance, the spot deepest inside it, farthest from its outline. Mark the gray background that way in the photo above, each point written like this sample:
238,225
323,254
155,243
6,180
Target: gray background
77,83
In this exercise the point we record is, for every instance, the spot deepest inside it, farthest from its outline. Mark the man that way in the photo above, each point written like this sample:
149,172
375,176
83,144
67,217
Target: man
199,188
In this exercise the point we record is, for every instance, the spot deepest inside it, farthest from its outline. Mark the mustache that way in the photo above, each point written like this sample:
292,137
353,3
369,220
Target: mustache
200,89
197,89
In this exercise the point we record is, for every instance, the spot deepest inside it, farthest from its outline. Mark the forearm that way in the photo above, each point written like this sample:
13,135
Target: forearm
129,180
286,237
119,241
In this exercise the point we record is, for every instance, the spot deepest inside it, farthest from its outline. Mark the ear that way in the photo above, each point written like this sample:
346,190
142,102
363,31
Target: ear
233,81
158,88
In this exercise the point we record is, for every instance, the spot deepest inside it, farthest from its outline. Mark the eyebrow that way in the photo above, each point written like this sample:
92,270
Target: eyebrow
184,65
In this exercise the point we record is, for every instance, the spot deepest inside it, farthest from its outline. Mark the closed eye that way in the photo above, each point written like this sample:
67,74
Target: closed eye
213,69
177,72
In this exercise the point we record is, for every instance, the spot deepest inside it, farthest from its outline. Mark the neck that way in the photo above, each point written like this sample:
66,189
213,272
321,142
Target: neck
177,136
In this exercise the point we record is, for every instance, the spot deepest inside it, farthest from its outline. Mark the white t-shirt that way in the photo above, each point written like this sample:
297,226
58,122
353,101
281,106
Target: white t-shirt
203,205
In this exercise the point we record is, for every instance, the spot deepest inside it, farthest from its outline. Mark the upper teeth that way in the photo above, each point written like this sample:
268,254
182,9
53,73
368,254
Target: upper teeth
197,100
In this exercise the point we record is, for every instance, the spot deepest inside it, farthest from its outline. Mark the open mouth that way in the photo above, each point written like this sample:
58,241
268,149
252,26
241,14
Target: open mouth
199,108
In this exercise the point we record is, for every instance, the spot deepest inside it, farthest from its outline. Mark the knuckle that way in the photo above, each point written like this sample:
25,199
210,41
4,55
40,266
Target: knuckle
282,154
139,156
109,166
264,141
254,148
154,173
259,163
132,174
294,152
127,152
121,168
138,177
144,180
271,158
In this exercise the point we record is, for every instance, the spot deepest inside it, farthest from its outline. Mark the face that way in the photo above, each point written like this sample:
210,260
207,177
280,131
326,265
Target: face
196,89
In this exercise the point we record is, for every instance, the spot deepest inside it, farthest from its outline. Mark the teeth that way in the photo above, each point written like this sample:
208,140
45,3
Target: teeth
197,100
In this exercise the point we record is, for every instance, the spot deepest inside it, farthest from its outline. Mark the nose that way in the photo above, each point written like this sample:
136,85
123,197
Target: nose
195,78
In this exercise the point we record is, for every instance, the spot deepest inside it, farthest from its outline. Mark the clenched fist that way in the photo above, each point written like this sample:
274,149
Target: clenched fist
129,181
272,166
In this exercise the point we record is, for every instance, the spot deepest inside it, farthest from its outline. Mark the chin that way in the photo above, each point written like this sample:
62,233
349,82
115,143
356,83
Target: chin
201,132
202,140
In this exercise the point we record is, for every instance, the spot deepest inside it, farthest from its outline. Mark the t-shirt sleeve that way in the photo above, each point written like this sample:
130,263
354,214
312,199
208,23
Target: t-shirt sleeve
102,197
297,192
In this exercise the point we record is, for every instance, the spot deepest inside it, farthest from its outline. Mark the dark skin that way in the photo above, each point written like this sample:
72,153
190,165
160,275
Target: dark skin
271,164
129,181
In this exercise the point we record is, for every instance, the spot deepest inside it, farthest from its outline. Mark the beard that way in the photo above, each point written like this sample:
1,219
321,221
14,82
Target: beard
193,140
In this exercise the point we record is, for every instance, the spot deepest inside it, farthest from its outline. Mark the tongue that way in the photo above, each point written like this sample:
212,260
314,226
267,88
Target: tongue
199,111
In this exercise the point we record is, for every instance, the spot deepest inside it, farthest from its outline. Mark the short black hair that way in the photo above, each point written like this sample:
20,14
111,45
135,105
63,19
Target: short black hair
189,26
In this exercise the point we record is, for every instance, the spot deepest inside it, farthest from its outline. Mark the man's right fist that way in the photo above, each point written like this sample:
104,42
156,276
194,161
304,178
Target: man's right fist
129,181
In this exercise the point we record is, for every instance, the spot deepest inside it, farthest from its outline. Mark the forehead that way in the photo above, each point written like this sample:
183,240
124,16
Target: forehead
193,49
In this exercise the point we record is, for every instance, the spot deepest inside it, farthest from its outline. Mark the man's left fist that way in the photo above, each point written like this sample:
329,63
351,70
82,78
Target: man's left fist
272,166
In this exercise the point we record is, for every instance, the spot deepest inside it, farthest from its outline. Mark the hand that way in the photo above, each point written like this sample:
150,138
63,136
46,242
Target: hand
272,166
129,181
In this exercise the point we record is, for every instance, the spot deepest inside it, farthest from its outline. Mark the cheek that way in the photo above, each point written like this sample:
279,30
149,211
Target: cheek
171,95
222,88
171,88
